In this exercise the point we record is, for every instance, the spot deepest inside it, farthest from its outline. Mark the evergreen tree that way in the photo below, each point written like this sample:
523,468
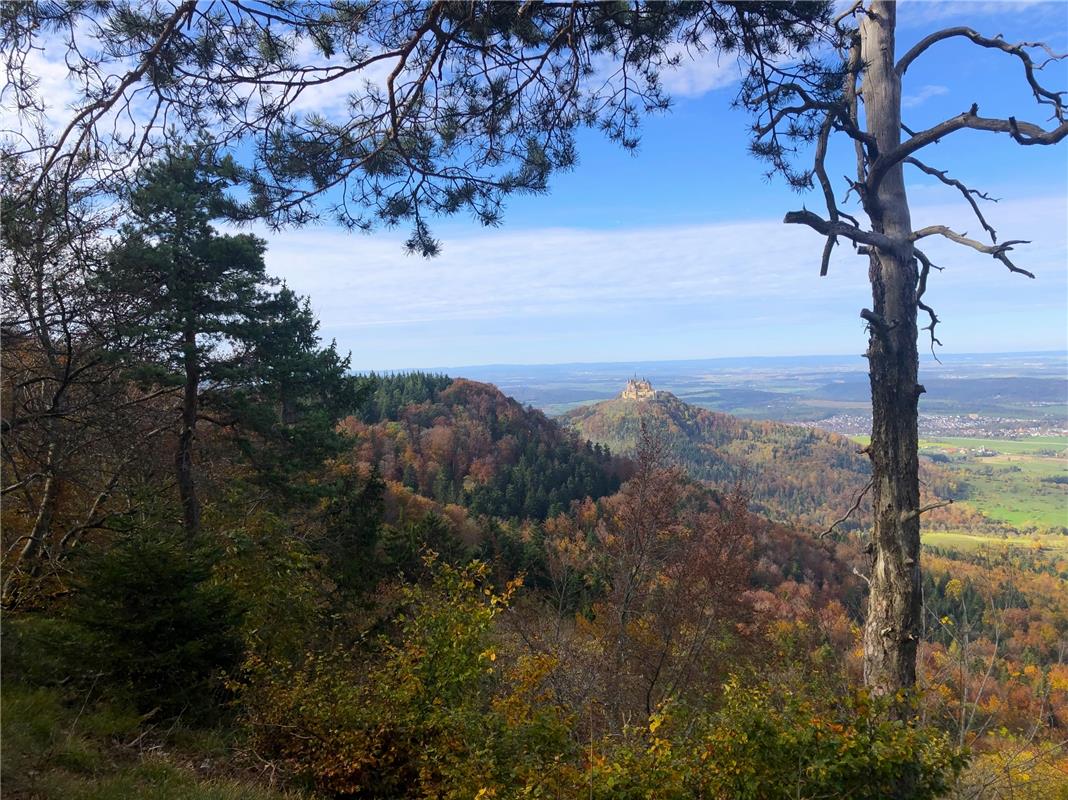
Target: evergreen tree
193,290
288,359
285,392
352,518
164,630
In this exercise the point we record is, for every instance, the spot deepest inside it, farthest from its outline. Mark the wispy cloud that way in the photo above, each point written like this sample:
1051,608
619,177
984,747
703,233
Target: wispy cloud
699,72
55,87
923,94
606,288
918,13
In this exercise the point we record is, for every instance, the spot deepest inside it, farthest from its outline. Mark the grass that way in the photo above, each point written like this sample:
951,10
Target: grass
153,778
1013,485
1033,445
971,542
1010,486
54,749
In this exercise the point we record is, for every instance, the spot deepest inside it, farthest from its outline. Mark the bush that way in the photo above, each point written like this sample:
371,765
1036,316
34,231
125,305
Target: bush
41,650
163,632
766,744
433,713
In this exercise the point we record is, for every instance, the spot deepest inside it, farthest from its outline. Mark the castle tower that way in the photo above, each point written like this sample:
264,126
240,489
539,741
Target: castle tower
638,390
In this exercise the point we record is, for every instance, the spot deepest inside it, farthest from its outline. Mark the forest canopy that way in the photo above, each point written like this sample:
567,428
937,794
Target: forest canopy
234,567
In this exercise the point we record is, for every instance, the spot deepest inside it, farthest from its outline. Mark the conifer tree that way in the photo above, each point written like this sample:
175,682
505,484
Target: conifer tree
286,392
195,291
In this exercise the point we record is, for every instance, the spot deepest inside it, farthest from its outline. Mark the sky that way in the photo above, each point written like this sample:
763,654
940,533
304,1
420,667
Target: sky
679,251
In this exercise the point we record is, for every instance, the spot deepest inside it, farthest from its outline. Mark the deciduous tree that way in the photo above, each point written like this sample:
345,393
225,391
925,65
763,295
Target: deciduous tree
71,422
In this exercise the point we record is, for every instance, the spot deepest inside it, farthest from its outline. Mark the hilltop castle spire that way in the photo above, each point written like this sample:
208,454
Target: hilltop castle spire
638,390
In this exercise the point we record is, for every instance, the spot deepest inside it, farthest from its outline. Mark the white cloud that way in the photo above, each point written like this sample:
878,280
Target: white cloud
923,94
920,13
331,99
699,72
363,282
55,86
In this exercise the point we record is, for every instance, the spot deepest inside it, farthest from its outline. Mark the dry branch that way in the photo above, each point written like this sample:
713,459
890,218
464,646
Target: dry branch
852,510
969,194
998,251
1025,133
907,515
838,228
1019,50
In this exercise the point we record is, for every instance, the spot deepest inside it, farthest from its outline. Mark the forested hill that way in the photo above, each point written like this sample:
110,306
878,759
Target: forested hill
459,441
796,475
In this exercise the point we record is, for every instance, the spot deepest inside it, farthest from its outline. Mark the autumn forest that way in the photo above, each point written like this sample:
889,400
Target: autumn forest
238,564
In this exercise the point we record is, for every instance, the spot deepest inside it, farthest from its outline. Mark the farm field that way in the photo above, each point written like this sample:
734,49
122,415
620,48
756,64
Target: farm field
1011,481
1008,481
1045,446
965,541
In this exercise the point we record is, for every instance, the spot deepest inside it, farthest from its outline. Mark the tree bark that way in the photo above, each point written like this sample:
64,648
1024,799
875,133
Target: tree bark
27,560
891,632
183,458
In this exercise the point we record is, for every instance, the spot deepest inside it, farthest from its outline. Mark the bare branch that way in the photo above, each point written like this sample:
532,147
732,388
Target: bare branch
33,476
925,268
849,12
876,322
909,515
1019,50
998,251
850,512
851,232
820,169
849,92
1025,133
969,194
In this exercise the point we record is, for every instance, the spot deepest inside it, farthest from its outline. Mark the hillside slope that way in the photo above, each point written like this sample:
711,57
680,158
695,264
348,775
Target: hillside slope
796,475
459,441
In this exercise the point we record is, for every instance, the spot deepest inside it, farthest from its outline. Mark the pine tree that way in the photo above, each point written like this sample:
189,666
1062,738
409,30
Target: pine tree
287,392
194,291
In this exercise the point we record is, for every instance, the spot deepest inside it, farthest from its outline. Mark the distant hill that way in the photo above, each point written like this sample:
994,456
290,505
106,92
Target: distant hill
795,474
464,442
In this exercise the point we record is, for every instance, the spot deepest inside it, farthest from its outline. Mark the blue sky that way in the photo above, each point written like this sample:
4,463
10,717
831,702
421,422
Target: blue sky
680,252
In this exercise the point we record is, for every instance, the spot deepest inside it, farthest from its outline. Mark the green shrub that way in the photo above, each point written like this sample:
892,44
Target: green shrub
762,743
163,632
766,744
432,714
41,650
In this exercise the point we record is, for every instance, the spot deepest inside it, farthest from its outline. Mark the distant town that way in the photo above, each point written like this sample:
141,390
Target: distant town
959,425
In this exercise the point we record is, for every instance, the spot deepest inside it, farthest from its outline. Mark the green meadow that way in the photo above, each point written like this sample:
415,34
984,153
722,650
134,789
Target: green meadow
1009,481
972,542
1016,484
1042,446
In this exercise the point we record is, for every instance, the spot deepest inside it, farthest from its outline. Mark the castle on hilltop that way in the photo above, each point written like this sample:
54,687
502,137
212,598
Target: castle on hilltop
638,390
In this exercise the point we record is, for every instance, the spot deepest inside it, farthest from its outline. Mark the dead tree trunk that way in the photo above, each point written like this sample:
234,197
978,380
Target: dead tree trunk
894,606
801,103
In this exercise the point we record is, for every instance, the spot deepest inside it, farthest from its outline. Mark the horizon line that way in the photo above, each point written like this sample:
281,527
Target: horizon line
505,364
